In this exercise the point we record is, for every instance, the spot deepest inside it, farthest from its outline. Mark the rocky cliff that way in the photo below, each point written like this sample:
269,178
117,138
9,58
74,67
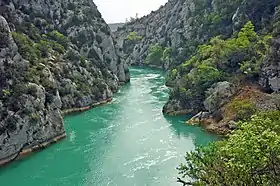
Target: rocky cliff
183,25
54,55
220,54
114,26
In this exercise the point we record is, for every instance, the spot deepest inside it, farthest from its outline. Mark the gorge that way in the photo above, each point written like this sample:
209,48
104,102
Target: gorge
127,142
218,58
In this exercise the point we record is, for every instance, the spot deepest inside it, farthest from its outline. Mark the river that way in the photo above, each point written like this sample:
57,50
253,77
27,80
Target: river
125,143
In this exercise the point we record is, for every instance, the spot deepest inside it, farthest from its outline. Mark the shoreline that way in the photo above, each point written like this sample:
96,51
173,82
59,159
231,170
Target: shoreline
36,148
30,150
83,109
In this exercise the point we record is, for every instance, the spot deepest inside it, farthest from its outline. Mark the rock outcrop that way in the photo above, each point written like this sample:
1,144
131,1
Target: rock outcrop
218,95
244,101
54,56
183,25
270,75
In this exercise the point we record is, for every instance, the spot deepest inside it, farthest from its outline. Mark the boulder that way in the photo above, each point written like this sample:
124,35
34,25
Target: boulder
218,95
199,118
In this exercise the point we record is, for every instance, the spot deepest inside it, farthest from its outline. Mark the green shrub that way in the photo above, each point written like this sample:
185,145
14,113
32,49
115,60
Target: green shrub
243,109
7,92
44,48
26,47
132,36
155,55
250,156
72,55
84,62
172,76
166,54
204,76
59,38
34,117
221,60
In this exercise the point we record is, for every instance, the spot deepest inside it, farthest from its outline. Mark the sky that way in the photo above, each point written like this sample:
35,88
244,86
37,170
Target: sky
116,11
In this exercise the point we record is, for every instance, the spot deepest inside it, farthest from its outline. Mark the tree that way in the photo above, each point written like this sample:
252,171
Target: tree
155,55
59,38
250,156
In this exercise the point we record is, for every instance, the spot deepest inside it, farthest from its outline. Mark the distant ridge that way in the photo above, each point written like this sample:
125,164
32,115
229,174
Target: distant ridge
114,26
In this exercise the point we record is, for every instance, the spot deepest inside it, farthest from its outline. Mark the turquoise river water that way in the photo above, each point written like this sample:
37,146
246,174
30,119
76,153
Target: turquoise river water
125,143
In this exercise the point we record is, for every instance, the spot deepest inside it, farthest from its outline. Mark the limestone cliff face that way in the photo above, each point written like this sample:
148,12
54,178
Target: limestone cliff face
54,55
167,26
183,25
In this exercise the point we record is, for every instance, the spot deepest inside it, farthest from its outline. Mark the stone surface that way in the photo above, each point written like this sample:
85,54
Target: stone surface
270,75
199,118
218,95
30,108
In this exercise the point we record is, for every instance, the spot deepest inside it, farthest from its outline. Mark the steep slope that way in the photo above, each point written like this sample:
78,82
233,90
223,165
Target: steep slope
185,24
114,26
54,55
215,51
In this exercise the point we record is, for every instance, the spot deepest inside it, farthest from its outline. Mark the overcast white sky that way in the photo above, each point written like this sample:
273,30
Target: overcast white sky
115,11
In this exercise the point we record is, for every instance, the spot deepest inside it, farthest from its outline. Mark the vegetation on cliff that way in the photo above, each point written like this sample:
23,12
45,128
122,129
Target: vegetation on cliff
249,156
55,55
221,60
223,67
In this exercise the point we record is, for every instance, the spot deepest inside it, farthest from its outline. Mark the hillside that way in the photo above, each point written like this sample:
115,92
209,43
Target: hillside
114,26
200,43
54,56
223,62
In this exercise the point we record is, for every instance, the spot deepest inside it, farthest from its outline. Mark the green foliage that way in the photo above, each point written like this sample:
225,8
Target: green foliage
223,59
172,76
72,55
155,55
132,36
6,92
204,76
43,48
84,62
250,156
166,54
59,38
34,117
243,109
26,47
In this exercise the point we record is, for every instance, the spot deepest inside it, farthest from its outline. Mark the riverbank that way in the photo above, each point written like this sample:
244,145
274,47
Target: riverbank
24,152
28,151
82,109
97,139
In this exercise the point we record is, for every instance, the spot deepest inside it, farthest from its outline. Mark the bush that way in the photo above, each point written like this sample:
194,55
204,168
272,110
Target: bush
26,47
204,76
72,55
155,55
132,36
59,38
221,60
7,92
172,76
166,54
84,62
243,109
250,156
